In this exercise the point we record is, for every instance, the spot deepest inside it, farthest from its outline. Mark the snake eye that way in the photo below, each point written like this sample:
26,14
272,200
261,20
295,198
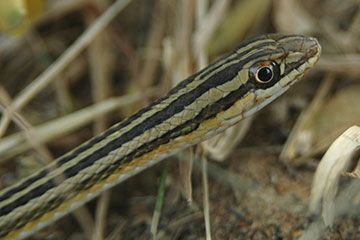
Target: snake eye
265,73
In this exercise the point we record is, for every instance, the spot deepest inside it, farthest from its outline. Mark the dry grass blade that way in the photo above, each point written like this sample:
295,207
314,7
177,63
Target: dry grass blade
217,147
83,216
207,26
117,231
28,130
222,145
66,58
206,197
340,64
246,16
185,171
157,31
327,117
100,65
301,138
102,208
16,144
327,176
291,17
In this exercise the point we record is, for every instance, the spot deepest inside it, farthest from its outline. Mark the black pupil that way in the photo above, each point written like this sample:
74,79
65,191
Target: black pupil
265,74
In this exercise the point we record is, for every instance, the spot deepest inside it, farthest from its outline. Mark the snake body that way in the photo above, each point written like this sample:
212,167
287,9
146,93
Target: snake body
230,89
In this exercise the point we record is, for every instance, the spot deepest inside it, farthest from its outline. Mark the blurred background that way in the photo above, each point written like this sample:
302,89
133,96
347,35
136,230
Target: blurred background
67,75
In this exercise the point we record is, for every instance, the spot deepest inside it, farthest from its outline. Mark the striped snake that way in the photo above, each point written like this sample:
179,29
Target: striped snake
203,105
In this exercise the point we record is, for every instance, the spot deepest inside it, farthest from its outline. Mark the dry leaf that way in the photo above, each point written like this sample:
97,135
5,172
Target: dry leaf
327,175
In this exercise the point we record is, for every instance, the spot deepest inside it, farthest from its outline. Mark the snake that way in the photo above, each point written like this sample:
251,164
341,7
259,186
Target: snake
230,89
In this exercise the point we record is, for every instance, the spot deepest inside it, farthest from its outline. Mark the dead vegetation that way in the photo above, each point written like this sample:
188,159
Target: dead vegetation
75,67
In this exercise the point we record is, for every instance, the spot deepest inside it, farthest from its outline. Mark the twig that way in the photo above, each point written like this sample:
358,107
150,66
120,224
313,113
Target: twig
206,197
